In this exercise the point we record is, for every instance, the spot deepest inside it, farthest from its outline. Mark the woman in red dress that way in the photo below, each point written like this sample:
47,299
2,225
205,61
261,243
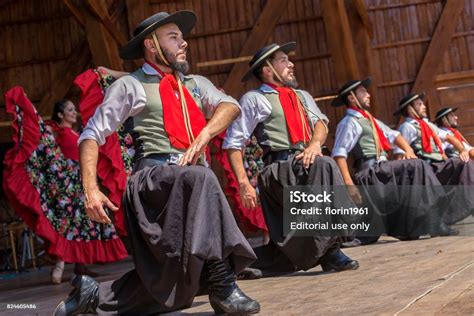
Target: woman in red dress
42,182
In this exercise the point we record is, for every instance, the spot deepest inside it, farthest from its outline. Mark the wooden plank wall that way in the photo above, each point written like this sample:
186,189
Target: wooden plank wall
402,33
36,37
223,27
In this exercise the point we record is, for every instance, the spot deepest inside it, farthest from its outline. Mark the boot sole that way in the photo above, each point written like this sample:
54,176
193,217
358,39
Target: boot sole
219,311
56,311
328,268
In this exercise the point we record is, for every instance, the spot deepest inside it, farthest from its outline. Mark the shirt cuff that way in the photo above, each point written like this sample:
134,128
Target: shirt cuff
393,136
398,151
339,152
89,134
233,144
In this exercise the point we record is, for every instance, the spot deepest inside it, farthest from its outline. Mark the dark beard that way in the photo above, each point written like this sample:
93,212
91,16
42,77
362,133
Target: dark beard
182,67
291,83
288,83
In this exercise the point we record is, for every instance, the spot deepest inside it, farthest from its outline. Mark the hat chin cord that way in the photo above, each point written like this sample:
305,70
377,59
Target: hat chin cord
274,71
357,101
158,48
412,111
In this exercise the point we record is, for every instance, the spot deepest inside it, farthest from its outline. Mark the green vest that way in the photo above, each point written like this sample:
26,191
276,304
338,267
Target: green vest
273,132
418,147
365,147
148,125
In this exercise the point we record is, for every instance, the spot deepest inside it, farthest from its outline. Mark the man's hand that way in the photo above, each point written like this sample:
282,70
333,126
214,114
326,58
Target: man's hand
94,204
309,154
196,149
464,156
248,195
409,154
354,194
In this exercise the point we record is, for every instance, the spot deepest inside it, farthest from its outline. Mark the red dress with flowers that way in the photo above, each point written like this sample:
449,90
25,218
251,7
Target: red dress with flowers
44,188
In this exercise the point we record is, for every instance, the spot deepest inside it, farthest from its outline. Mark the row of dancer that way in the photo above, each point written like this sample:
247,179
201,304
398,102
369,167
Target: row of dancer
182,231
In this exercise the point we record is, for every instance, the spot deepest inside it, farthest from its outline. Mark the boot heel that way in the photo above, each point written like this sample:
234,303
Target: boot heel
217,309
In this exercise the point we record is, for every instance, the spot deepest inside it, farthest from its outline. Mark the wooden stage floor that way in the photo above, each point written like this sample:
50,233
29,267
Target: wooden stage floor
423,277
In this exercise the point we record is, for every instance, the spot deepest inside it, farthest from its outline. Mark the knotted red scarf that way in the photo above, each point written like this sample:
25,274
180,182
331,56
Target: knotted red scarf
457,134
181,127
426,135
295,114
383,141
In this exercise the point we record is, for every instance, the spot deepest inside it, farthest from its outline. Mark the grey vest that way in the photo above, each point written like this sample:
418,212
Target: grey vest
148,126
365,147
273,132
418,147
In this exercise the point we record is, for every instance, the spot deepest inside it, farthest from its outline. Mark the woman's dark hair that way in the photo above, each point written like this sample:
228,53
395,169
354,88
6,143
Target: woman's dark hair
59,107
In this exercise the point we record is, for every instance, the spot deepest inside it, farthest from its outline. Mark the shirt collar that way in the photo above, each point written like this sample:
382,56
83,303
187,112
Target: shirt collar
267,89
413,121
353,113
149,70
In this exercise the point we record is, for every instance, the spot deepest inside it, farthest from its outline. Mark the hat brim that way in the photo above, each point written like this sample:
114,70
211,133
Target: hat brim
450,110
338,101
404,105
286,48
185,20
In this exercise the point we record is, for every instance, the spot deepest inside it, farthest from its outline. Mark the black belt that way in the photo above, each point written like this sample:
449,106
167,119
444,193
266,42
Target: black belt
364,163
274,156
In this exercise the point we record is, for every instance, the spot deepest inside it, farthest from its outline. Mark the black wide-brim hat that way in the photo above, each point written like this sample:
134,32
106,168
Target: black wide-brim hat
407,100
349,86
263,53
185,20
443,112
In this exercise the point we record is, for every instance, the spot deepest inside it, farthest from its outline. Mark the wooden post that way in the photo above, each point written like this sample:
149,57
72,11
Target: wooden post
362,32
425,80
340,41
103,47
262,29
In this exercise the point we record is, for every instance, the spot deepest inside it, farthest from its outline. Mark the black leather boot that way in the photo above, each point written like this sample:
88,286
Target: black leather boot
335,259
224,294
82,300
445,230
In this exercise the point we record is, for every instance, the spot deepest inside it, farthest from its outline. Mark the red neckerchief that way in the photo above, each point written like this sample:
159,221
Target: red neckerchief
173,117
426,135
295,114
457,134
383,141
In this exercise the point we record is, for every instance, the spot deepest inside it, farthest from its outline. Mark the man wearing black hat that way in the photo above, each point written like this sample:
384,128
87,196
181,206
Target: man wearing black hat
384,183
291,130
447,121
181,229
426,140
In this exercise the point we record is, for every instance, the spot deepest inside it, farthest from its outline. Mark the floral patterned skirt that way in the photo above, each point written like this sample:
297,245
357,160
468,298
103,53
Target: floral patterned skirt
45,189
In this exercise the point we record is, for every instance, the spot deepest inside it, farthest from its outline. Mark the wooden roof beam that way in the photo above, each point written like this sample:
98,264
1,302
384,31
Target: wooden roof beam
262,29
137,11
77,61
97,7
76,11
341,46
362,33
425,79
